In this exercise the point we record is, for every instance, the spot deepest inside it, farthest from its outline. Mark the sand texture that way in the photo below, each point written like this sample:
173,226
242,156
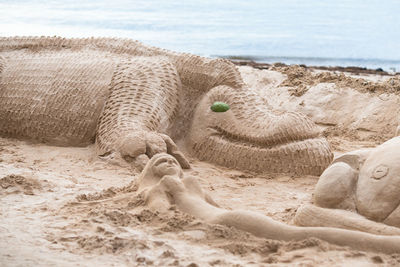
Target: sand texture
64,206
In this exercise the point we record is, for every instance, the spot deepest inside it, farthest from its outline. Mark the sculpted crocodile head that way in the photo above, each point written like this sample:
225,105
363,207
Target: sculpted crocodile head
251,136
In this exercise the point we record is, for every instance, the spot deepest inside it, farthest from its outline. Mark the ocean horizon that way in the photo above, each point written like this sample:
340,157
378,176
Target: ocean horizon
321,33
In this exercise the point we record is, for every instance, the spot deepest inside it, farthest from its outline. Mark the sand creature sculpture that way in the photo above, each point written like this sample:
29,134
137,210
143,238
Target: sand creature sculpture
360,190
163,184
132,100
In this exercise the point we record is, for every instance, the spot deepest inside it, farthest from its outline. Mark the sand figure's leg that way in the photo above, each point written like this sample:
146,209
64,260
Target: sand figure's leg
264,226
335,186
141,106
310,215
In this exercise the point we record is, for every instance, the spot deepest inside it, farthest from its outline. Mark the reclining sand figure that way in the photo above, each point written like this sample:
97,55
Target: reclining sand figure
163,184
360,190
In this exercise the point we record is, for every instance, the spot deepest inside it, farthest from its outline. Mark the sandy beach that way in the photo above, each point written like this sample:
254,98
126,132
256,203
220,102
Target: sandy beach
63,206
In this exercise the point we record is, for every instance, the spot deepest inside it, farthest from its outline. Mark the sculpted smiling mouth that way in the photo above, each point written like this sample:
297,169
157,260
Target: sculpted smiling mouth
252,141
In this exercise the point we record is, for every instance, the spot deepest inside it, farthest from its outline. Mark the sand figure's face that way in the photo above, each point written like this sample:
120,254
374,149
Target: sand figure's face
245,133
166,165
159,166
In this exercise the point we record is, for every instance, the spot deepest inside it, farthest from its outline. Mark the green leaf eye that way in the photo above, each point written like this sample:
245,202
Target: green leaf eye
219,107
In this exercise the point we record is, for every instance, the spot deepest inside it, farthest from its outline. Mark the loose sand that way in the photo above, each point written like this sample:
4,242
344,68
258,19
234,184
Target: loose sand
64,207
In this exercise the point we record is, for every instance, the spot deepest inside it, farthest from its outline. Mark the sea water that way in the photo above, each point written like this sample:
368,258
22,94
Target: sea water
364,33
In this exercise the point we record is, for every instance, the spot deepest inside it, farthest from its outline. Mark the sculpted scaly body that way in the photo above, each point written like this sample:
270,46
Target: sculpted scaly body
130,99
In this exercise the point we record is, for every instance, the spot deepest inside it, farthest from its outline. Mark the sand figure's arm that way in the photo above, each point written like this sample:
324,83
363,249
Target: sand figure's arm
159,197
142,103
193,185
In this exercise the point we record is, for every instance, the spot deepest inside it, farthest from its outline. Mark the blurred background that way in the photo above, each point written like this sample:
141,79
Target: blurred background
363,33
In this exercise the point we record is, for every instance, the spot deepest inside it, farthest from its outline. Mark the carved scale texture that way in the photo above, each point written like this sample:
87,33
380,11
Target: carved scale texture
303,157
53,98
194,71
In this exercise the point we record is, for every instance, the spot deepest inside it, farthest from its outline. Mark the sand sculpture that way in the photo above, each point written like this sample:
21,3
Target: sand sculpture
131,99
360,190
163,184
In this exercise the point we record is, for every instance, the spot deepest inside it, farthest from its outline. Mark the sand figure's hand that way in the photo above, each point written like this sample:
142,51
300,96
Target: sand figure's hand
172,184
173,150
136,148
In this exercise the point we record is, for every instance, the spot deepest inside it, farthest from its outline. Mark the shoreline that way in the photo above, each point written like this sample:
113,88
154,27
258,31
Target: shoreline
350,69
